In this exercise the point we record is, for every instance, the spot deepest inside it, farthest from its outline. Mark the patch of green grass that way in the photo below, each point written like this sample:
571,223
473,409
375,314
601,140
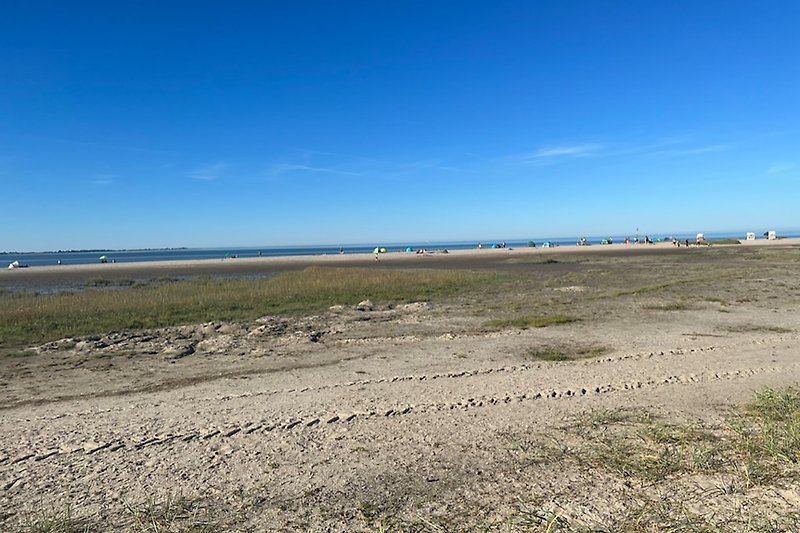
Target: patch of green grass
104,282
724,241
768,435
553,357
757,328
525,322
533,260
672,306
758,447
17,353
565,352
29,319
644,290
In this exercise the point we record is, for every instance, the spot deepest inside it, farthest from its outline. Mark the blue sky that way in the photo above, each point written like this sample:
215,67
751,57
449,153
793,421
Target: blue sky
158,124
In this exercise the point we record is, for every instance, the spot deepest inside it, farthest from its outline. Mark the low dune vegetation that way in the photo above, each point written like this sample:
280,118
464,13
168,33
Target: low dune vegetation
27,318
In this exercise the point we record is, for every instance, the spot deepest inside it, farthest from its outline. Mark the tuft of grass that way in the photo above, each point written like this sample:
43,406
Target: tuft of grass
30,319
525,322
759,447
768,435
554,357
565,352
678,305
173,513
58,521
605,417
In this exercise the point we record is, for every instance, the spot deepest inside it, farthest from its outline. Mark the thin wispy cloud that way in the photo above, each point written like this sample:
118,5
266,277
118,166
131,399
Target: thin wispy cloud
103,179
781,168
434,164
378,164
286,168
580,150
668,147
551,153
689,151
208,172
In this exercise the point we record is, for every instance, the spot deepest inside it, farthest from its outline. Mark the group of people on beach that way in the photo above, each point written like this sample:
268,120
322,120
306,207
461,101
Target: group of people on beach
494,246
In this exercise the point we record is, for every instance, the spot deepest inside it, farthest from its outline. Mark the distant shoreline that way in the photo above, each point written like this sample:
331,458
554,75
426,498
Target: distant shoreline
517,242
98,251
260,266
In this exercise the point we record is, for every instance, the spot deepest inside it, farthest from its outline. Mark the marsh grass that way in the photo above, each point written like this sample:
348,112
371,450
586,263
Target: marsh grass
28,319
526,322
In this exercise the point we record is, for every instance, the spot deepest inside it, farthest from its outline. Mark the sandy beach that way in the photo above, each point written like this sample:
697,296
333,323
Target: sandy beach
484,258
419,416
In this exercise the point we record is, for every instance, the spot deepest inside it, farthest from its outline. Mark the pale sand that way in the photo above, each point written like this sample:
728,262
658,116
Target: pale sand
415,417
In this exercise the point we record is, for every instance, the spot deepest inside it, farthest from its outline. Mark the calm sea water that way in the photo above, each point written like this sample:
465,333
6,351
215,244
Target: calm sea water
139,256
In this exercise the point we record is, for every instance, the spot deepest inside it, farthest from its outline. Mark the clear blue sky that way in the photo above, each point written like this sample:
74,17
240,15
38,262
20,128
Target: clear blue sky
155,124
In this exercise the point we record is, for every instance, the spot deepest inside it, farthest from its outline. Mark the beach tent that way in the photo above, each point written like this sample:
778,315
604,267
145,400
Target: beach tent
13,265
409,249
104,259
384,250
495,247
531,244
751,236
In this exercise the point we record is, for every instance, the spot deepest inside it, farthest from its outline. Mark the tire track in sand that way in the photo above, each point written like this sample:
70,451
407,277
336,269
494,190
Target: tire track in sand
323,421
